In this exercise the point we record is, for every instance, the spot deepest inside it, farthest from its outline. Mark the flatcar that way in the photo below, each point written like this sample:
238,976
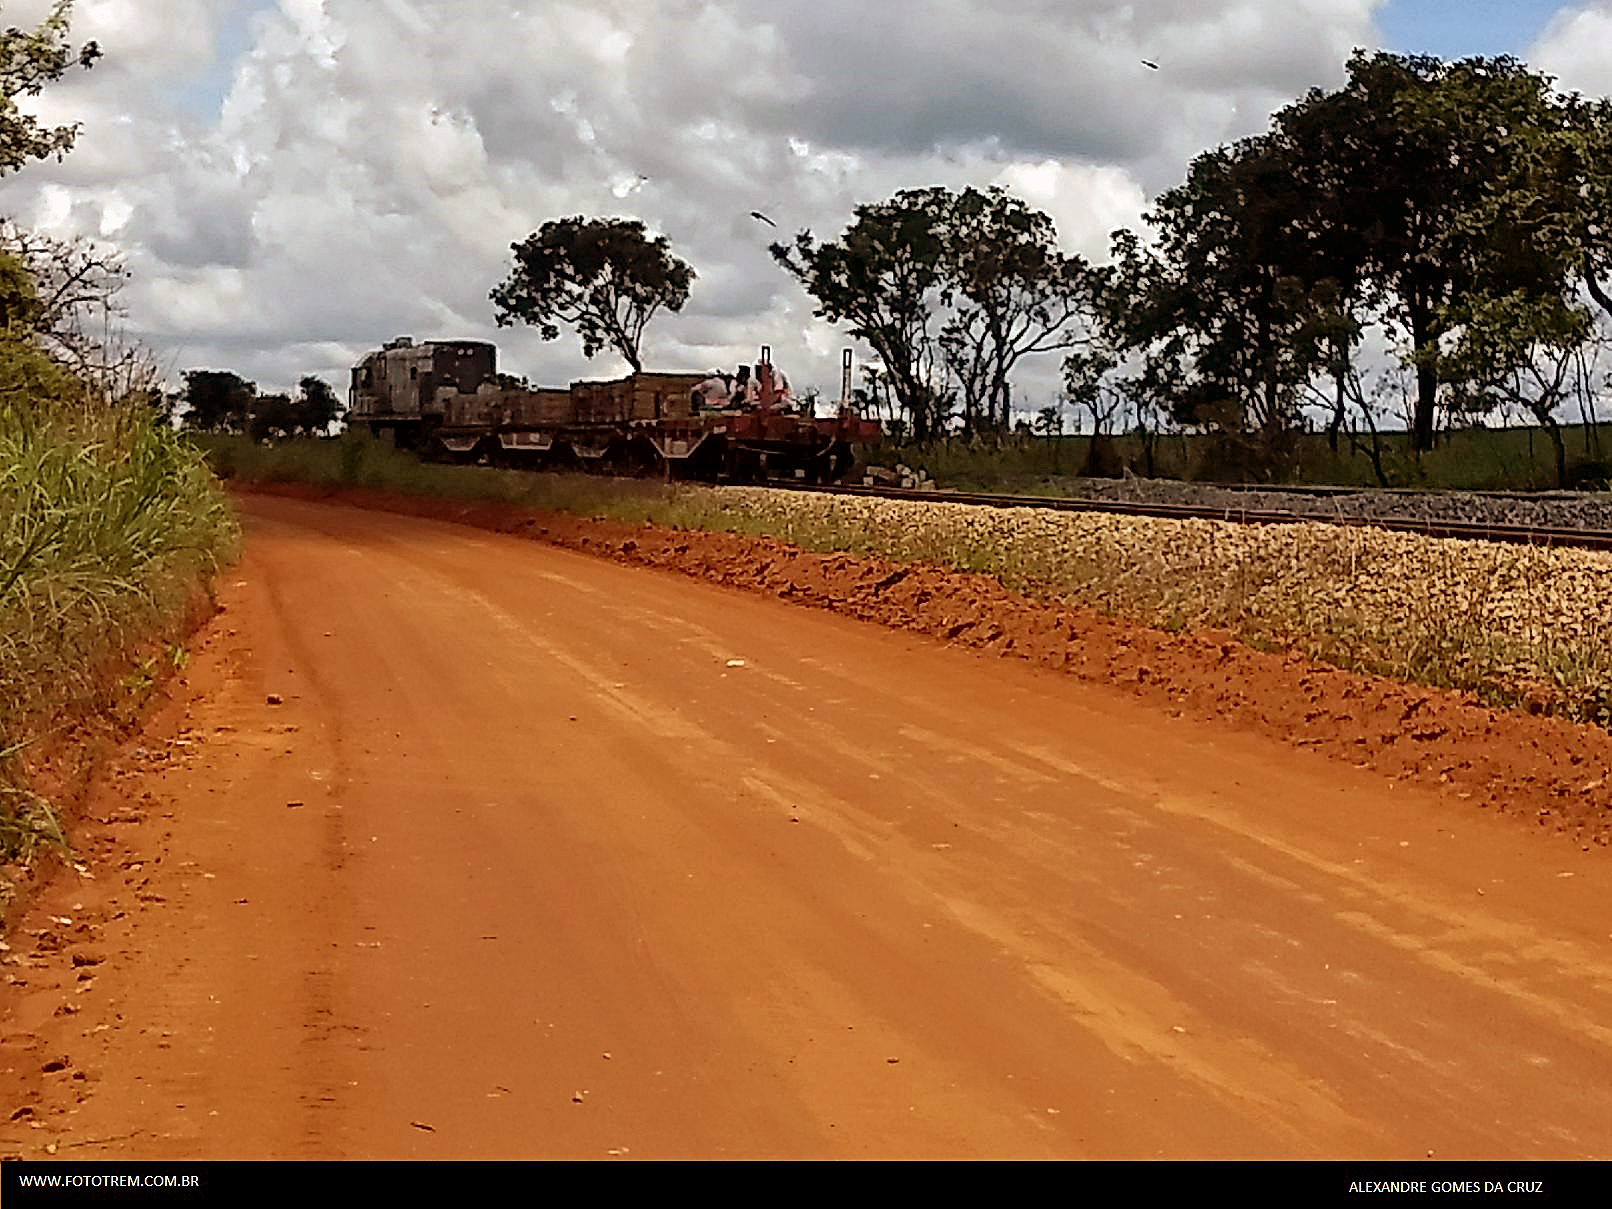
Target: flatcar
447,400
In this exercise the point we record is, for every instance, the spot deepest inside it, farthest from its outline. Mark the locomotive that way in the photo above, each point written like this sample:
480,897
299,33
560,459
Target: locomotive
446,400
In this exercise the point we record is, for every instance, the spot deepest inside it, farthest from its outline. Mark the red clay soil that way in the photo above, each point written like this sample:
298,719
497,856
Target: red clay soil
447,845
1539,770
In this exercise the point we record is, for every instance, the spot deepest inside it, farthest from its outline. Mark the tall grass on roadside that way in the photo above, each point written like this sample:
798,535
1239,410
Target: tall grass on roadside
108,523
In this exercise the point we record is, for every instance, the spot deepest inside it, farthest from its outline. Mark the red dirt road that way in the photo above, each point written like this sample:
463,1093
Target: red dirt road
543,856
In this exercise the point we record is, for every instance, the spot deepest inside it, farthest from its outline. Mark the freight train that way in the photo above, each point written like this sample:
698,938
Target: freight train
446,400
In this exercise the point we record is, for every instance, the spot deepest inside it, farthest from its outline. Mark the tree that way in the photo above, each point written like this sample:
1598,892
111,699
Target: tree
272,417
1048,423
28,61
64,277
1520,351
317,406
1017,295
279,416
1412,200
217,401
26,374
1406,152
1547,202
1584,152
51,291
1528,235
884,277
76,288
19,297
984,266
1089,383
1214,309
74,316
604,277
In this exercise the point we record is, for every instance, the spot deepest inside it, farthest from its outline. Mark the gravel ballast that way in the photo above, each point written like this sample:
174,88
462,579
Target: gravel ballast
1545,510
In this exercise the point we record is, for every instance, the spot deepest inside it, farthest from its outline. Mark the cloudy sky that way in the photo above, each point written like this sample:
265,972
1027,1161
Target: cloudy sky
294,181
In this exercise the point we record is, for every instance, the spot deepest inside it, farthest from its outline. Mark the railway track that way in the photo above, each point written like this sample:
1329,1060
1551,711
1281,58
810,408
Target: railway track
1529,535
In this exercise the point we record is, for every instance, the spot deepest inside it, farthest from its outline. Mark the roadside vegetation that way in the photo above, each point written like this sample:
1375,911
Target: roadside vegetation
109,523
358,460
1520,626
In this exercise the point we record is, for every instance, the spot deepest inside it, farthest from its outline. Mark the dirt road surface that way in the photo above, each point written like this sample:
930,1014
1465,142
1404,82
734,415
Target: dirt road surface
453,845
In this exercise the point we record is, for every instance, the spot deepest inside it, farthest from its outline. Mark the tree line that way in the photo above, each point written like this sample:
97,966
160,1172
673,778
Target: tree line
1444,216
219,401
1425,245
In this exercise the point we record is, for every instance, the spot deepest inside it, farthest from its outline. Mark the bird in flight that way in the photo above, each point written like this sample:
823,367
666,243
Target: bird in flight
1150,63
762,217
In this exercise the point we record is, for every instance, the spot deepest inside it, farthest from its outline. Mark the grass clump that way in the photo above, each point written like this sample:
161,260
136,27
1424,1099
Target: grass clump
108,524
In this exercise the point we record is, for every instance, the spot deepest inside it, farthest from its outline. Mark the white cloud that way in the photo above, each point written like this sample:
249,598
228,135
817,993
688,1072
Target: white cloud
1576,48
1087,202
363,167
